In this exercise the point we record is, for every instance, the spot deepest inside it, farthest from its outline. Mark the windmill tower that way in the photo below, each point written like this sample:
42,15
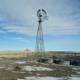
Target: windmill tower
40,51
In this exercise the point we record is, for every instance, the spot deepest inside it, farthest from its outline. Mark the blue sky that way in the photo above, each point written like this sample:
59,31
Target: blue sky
18,24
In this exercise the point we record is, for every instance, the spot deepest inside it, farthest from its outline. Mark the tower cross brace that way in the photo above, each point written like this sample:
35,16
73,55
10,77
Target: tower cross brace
39,40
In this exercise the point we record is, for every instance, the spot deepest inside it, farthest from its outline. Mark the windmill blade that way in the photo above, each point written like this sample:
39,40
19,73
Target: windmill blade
46,17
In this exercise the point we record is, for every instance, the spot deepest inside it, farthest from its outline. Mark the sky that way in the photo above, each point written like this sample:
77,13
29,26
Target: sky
19,23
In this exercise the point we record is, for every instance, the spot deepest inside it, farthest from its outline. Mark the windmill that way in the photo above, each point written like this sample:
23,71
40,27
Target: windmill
42,16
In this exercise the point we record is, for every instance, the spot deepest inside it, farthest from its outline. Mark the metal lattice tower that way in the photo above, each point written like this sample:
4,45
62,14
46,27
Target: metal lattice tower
40,51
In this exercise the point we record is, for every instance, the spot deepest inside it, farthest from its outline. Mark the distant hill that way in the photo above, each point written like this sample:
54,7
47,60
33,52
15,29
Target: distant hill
27,50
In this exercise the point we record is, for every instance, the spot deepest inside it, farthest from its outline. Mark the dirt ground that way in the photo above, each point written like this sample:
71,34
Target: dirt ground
11,71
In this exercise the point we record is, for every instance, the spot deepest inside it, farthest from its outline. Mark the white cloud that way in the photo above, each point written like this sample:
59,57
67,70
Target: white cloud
21,39
4,36
2,31
17,38
21,30
64,16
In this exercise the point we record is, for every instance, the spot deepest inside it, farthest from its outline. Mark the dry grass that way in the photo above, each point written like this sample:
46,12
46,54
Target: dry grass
29,53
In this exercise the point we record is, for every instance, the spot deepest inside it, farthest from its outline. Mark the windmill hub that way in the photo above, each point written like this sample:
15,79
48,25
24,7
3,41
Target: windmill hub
40,15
